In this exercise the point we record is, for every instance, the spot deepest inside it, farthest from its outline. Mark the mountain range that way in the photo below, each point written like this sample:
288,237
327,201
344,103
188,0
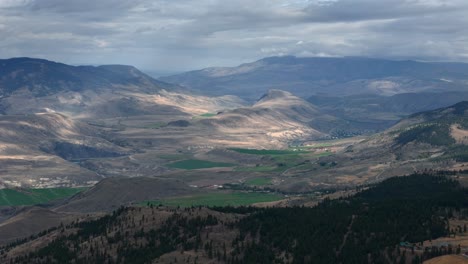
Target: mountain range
111,120
345,76
80,142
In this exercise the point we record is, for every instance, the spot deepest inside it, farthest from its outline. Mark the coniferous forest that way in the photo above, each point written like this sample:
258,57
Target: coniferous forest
365,228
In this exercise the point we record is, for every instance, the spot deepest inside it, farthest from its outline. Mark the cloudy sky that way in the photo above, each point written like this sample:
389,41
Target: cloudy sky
165,36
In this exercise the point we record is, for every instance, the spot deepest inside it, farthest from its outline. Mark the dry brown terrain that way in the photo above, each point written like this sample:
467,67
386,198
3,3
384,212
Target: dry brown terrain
459,134
451,259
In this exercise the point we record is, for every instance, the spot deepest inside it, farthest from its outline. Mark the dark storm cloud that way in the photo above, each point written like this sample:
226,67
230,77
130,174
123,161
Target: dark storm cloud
173,35
362,10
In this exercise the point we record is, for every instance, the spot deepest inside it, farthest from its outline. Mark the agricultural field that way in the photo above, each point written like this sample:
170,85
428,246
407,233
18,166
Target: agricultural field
11,197
194,164
281,160
219,199
205,115
208,115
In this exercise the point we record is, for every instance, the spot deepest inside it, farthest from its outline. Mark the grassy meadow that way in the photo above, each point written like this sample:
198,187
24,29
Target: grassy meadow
17,197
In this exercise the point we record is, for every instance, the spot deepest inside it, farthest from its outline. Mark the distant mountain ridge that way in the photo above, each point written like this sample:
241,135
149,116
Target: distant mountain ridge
42,77
330,76
30,85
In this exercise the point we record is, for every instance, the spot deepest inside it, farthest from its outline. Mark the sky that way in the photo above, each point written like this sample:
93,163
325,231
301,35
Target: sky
168,36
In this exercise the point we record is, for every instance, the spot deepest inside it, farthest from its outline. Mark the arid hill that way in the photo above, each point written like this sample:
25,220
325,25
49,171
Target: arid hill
36,150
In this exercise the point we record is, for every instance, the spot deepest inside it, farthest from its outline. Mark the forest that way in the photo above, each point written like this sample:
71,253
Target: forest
365,228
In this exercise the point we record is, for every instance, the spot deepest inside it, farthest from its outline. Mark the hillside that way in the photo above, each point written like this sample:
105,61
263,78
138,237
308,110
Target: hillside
28,221
441,127
29,85
111,193
450,259
277,115
366,228
428,140
276,120
36,150
326,76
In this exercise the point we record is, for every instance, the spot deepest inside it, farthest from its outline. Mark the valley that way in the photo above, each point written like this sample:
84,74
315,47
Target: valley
78,135
234,132
77,146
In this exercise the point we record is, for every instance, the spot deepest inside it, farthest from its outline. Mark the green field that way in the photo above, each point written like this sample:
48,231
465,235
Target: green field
193,164
268,151
10,197
258,181
219,199
282,159
207,115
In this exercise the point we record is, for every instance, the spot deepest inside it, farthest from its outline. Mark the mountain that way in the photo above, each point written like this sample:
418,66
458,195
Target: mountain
274,121
55,117
42,77
29,85
431,140
277,115
326,76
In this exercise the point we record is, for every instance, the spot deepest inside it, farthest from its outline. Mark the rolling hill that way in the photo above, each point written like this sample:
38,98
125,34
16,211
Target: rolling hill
38,149
277,115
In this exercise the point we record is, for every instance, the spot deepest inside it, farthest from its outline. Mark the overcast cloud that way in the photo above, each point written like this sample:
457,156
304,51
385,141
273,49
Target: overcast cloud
177,35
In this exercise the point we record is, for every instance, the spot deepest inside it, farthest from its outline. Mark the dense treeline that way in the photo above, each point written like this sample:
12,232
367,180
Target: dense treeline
120,238
357,229
365,228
